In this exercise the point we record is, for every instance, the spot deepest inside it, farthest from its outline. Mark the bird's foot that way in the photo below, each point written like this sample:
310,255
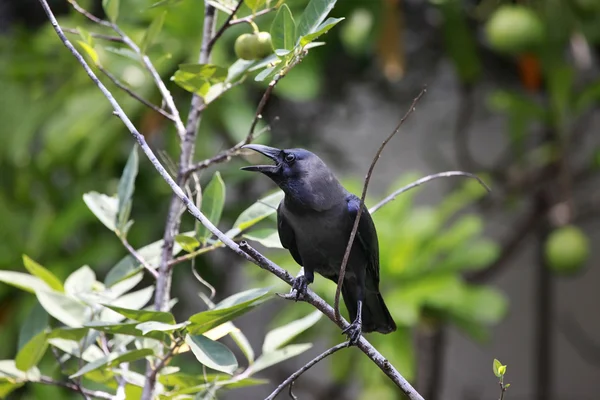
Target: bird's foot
300,285
353,331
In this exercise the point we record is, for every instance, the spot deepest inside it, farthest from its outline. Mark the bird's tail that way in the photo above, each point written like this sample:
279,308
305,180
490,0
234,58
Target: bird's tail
375,315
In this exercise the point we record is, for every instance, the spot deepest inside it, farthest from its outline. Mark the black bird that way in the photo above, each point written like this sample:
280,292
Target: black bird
314,221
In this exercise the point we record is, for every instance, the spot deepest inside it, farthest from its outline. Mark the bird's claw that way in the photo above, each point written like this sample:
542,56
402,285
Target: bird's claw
300,285
353,331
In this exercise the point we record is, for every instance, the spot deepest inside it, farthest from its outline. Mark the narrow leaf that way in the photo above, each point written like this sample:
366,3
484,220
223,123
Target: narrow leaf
275,357
284,334
111,8
283,29
268,237
256,213
143,315
44,274
74,334
126,188
254,5
104,207
153,31
187,243
320,30
31,354
213,200
23,281
314,14
213,355
112,360
151,326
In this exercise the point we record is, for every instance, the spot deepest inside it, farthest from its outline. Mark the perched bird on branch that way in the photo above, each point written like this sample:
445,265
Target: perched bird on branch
314,220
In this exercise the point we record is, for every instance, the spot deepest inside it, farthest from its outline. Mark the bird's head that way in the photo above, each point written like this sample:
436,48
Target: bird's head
301,174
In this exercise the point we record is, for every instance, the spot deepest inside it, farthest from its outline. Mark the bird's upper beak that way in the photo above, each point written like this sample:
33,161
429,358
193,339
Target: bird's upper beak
271,152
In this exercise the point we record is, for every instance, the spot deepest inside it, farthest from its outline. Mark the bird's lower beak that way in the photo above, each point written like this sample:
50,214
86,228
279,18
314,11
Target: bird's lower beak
271,152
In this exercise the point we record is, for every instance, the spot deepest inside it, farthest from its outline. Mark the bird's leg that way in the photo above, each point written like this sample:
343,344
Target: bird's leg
301,283
354,330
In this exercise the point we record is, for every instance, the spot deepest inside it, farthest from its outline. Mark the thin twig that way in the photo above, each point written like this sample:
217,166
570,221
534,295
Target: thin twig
224,27
244,250
138,257
136,96
91,393
251,17
89,15
362,203
423,180
96,35
194,254
235,150
163,361
290,380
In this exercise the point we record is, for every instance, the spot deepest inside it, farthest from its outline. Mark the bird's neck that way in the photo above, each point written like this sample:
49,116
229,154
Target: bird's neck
321,195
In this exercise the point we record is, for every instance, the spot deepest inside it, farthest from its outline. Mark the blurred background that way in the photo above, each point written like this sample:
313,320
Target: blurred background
513,89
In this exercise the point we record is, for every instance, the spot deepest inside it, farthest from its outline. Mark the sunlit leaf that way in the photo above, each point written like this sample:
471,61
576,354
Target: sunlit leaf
320,30
284,334
104,207
64,308
256,213
213,355
314,14
33,351
198,78
227,310
283,29
153,31
112,360
126,189
80,281
44,274
268,237
90,51
255,5
269,359
187,243
9,371
213,200
496,368
72,347
23,281
134,300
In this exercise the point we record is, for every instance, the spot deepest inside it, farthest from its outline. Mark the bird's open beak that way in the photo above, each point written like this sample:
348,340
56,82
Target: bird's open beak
271,152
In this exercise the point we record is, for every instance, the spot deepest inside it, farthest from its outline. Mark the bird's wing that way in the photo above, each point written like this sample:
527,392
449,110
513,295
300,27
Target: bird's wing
366,235
286,234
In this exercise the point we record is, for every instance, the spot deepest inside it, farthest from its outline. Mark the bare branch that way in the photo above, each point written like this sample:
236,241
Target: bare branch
163,361
89,393
250,17
423,180
131,93
244,250
226,25
362,203
292,378
138,257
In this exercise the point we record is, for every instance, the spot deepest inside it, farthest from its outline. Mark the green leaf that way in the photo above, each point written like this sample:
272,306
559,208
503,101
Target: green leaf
113,360
237,69
320,30
31,354
502,370
36,269
283,29
7,387
124,286
284,334
134,301
496,368
65,309
275,357
104,207
80,281
23,281
151,326
10,372
126,189
268,237
90,51
197,78
153,31
37,321
187,243
190,384
254,5
85,35
264,74
256,213
213,355
242,341
111,8
314,14
74,334
143,315
227,310
72,347
213,200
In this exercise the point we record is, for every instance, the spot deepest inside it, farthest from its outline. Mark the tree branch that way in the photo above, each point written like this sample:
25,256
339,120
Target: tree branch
423,180
86,392
224,27
292,378
138,257
362,203
244,250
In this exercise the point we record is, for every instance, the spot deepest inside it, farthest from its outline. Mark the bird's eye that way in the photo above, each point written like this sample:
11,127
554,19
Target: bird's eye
290,158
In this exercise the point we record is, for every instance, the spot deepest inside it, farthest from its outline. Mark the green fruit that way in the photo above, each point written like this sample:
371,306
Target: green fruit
566,250
514,29
244,46
264,47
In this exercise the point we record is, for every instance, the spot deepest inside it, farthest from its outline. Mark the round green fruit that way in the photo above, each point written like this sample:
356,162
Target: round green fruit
244,46
264,47
514,29
566,250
